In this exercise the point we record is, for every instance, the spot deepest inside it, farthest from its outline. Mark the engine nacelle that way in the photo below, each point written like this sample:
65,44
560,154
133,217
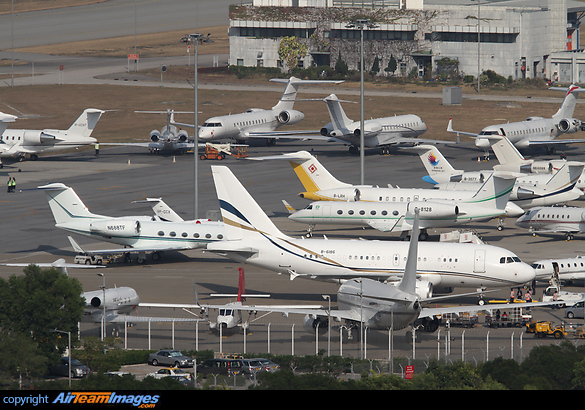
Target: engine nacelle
432,209
343,194
155,135
114,298
32,137
424,289
370,129
569,125
312,323
327,131
521,193
290,117
115,227
182,136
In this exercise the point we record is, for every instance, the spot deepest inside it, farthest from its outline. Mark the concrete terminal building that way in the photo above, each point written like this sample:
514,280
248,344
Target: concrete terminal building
518,38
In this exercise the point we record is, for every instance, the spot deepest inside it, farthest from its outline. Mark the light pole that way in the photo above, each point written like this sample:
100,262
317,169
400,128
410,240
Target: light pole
68,350
328,299
103,304
360,24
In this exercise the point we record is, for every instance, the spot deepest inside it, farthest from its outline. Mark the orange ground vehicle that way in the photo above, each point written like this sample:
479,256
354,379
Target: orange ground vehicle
219,151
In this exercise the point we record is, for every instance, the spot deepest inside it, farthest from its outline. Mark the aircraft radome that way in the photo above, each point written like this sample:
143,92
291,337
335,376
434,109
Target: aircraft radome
19,143
535,131
136,233
252,238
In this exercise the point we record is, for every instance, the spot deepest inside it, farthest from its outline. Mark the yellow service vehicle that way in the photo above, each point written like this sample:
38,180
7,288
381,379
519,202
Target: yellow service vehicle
546,328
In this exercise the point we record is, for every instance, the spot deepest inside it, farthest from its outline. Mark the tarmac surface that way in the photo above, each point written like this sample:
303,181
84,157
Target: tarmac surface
109,183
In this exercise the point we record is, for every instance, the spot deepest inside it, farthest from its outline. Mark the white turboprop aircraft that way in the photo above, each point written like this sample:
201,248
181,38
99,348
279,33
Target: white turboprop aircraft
19,143
252,238
258,123
168,139
320,185
554,219
380,132
535,131
136,233
489,202
382,306
529,190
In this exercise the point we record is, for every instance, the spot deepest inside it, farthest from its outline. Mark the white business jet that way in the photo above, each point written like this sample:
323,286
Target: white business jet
381,306
257,123
535,131
379,132
19,143
529,190
252,238
554,219
488,203
136,233
568,268
320,185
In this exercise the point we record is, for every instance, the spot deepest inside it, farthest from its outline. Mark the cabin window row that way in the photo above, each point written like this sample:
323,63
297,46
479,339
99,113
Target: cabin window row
173,234
362,212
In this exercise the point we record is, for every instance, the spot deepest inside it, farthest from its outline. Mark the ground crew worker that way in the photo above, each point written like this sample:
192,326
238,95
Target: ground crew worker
97,149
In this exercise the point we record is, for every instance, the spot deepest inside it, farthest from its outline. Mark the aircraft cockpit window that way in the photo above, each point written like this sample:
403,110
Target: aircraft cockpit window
309,207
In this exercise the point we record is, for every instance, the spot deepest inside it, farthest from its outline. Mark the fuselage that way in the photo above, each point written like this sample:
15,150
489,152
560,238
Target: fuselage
236,126
117,301
445,264
554,219
37,141
568,268
143,232
519,133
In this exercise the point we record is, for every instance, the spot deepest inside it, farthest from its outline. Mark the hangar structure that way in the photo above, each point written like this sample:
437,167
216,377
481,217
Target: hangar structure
518,38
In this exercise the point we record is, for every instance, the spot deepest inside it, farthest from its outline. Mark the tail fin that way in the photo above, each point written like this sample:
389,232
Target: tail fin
339,119
5,119
65,204
312,174
161,209
241,286
242,216
434,162
289,95
75,245
408,282
505,151
567,108
566,177
86,122
496,190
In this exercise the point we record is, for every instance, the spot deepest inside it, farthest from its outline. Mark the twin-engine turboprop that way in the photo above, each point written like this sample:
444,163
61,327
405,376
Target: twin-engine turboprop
137,233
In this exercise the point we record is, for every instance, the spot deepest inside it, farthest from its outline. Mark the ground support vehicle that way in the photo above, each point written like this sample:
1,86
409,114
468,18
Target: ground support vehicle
546,328
85,259
219,151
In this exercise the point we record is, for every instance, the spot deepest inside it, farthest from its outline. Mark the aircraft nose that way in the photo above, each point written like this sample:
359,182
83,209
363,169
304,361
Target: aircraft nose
525,273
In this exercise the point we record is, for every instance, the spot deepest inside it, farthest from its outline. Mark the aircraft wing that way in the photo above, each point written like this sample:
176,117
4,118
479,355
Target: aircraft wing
230,247
430,312
59,264
146,319
126,144
315,135
556,142
450,129
170,305
313,310
416,141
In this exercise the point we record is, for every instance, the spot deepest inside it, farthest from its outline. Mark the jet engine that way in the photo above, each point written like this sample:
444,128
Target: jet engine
114,298
432,209
327,131
115,227
424,289
290,117
155,135
32,137
570,125
342,194
312,323
370,129
182,136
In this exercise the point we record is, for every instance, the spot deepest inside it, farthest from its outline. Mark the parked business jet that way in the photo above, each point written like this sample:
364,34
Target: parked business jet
320,185
257,123
510,159
253,238
136,233
535,131
382,306
568,268
529,190
554,219
168,139
489,202
20,143
380,132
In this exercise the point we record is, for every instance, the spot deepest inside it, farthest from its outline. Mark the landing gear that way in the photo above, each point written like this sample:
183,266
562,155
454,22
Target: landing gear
353,150
309,233
500,226
570,237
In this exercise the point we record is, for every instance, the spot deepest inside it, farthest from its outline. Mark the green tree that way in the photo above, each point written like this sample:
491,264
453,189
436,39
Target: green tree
290,51
375,67
340,65
38,302
20,356
392,65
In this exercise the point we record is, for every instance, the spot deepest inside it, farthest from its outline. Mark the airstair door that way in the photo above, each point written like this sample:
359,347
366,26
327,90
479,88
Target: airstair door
479,262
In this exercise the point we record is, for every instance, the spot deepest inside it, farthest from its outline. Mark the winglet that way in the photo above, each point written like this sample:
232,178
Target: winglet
288,207
75,245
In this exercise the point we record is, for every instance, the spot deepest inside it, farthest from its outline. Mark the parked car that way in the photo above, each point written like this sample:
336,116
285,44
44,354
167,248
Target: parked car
220,366
251,366
170,372
78,369
170,358
268,365
577,311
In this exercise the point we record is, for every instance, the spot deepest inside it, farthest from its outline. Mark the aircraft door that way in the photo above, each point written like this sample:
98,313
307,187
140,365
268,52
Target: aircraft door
396,259
326,211
479,261
284,259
